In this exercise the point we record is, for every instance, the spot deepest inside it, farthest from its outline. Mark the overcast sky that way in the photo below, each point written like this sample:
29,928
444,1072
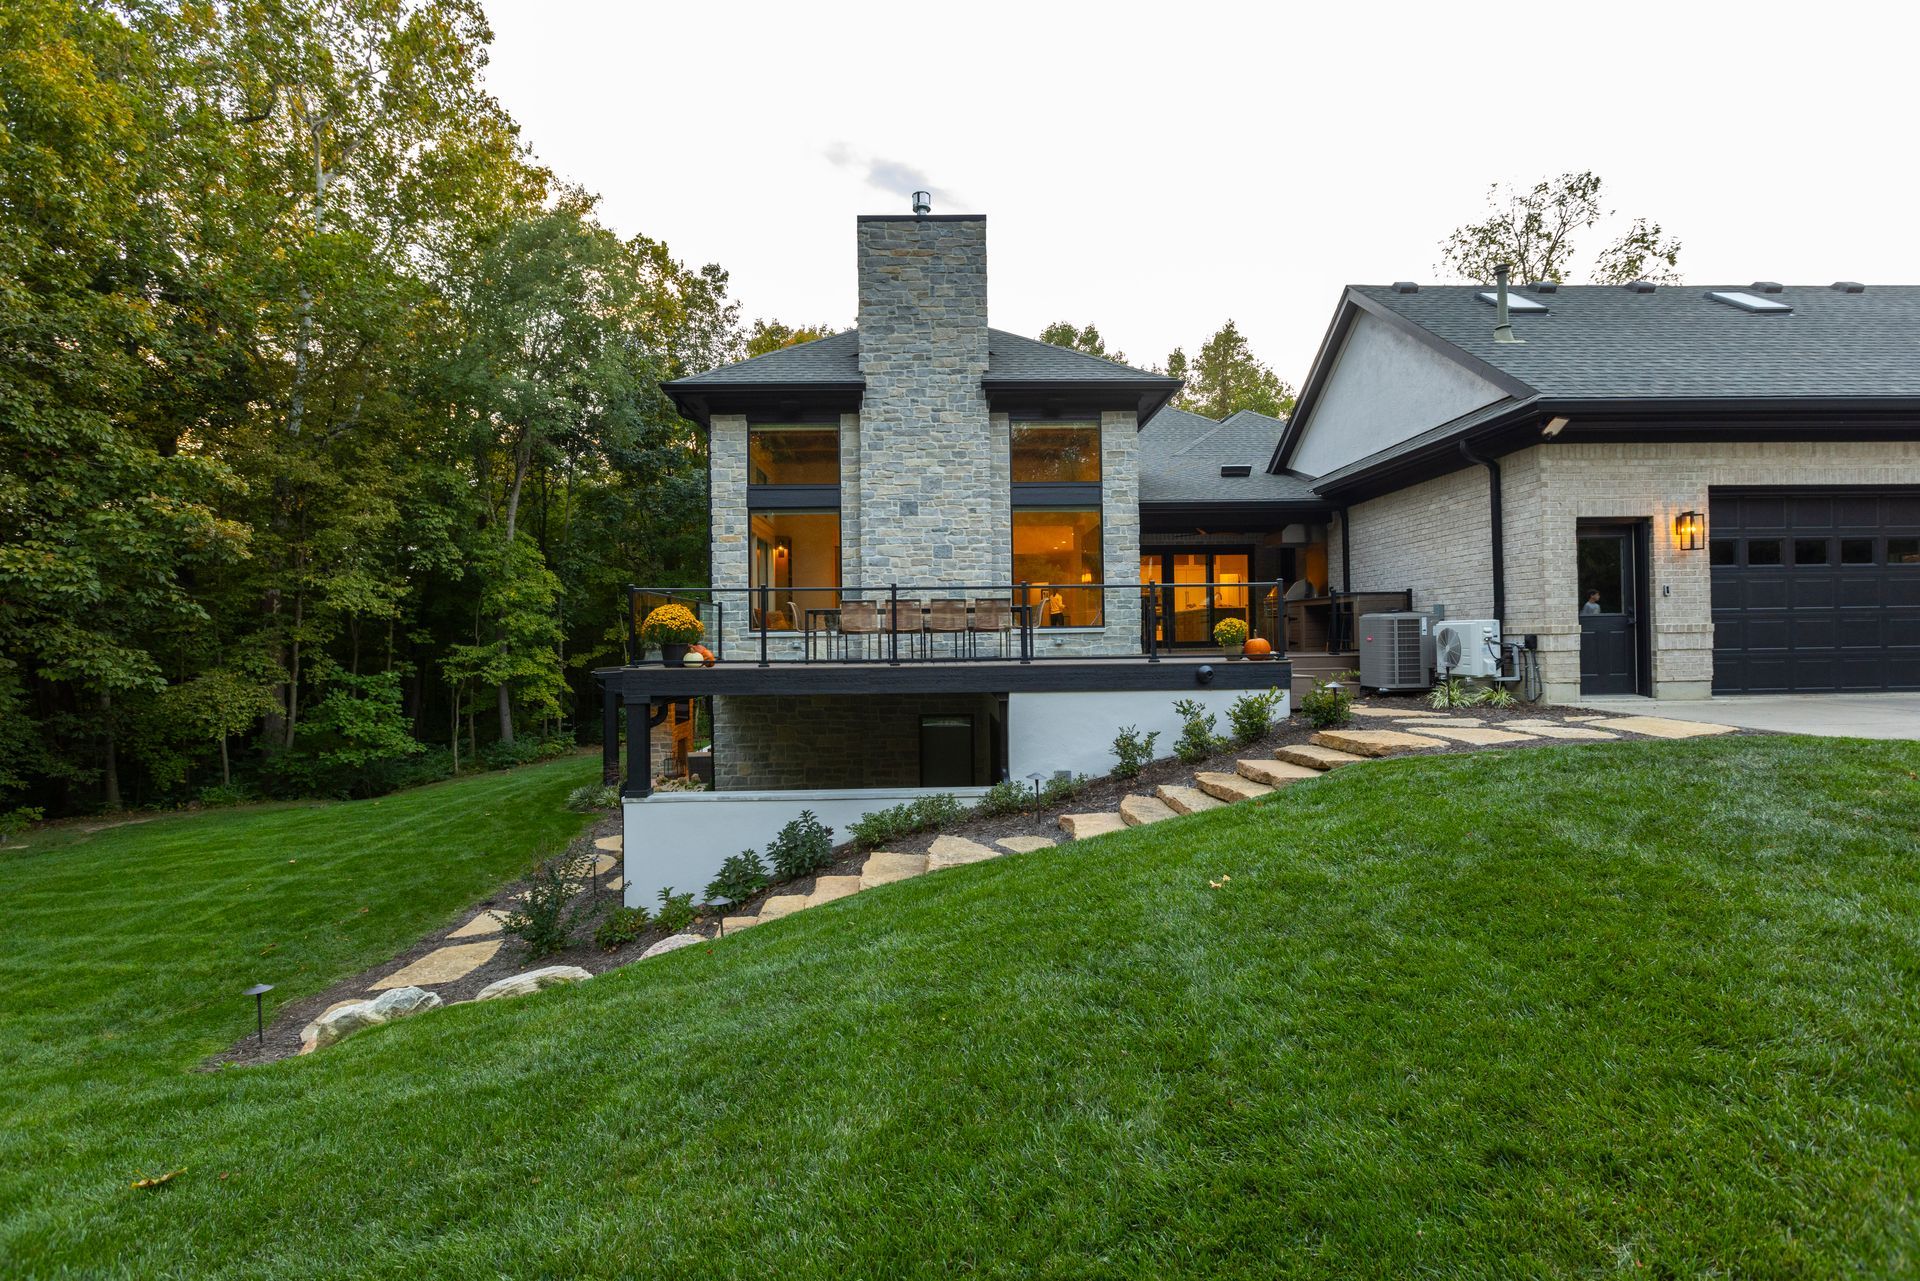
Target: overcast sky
1157,168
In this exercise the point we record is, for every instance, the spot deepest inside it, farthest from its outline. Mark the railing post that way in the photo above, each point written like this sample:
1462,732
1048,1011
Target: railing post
764,611
893,624
1026,622
1153,624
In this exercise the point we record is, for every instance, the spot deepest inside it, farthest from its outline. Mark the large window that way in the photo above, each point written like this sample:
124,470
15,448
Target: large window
795,567
1058,554
793,454
1056,453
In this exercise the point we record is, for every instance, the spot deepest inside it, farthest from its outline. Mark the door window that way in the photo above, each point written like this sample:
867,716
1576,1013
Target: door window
1603,574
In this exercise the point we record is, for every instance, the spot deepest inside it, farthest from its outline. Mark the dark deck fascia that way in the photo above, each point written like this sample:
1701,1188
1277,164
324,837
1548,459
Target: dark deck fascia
650,681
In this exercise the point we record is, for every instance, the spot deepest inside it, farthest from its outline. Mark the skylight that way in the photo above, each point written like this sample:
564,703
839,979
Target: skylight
1749,302
1514,302
1236,469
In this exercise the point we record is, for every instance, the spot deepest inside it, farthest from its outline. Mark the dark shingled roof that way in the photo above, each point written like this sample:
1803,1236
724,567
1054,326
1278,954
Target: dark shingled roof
1180,460
1605,342
836,359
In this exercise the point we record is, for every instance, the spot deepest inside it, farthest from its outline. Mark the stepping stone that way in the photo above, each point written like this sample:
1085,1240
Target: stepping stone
1480,737
1079,827
1138,811
1394,713
734,924
442,965
1186,800
672,943
1569,731
611,844
955,851
783,905
1531,722
604,863
1230,787
617,883
828,888
1660,727
1024,844
1597,717
1458,722
1315,757
885,868
1374,742
487,922
1275,773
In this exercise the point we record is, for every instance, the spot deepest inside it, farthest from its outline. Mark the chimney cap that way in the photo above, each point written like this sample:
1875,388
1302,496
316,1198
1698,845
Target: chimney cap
923,202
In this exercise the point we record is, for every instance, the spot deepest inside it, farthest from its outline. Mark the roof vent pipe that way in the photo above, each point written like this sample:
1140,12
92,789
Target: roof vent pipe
1502,327
923,203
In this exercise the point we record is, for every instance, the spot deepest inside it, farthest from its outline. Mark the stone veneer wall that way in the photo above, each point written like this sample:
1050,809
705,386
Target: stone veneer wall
820,741
1433,537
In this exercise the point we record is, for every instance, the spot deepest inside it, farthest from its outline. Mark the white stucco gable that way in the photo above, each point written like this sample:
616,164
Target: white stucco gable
1385,387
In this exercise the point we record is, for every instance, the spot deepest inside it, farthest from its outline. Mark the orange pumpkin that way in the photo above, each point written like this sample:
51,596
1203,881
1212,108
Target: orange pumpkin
706,655
1257,647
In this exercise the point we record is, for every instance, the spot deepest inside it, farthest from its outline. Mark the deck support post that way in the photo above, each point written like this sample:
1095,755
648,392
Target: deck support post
609,735
639,751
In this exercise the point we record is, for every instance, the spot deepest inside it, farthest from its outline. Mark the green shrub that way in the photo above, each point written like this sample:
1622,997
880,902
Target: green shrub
1328,705
620,927
1251,714
223,794
742,876
870,831
19,819
676,911
803,847
1132,750
1197,739
545,919
1010,797
1061,788
1455,692
592,797
1498,696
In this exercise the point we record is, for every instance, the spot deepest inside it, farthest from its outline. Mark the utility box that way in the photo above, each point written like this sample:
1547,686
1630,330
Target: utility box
1396,651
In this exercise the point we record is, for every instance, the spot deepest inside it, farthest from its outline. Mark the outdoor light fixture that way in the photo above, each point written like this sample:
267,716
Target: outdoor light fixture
258,992
1690,531
1036,776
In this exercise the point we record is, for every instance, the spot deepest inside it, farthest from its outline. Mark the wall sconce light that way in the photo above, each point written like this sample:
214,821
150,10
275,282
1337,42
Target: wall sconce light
1690,531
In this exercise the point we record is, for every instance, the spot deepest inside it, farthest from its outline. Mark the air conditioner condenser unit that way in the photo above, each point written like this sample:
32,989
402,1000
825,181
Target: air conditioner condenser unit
1467,647
1396,651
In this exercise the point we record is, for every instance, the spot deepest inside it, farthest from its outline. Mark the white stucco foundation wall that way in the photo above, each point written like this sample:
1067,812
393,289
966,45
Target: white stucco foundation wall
679,839
1047,733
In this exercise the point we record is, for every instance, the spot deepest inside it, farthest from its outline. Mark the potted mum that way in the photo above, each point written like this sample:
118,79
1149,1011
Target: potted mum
672,628
1230,634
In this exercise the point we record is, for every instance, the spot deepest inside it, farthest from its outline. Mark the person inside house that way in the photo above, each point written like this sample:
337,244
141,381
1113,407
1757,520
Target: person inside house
1056,609
1593,602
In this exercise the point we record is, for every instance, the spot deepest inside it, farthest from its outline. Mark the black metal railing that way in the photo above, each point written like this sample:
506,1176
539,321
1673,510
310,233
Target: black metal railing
1174,616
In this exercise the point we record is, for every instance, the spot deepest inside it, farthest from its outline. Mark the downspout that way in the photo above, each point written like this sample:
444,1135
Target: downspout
1499,541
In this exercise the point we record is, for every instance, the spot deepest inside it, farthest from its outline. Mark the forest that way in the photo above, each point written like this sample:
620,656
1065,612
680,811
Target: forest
330,420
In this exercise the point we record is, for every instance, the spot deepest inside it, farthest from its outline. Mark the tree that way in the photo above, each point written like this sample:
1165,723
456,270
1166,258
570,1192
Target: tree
1226,378
1061,333
1537,232
771,335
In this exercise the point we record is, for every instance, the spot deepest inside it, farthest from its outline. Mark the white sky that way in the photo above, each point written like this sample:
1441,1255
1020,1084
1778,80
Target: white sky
1157,168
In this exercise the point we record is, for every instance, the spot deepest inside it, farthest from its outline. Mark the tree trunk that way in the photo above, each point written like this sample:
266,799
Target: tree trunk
226,771
522,454
112,763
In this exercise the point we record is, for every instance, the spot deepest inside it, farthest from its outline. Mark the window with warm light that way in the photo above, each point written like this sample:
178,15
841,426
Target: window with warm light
1057,553
1056,453
793,454
794,568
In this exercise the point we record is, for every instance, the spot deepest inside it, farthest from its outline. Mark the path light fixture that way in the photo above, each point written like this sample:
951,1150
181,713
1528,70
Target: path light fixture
1036,776
1690,531
259,992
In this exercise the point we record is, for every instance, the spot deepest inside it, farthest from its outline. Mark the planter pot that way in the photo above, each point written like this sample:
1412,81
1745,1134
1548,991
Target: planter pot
1234,651
673,655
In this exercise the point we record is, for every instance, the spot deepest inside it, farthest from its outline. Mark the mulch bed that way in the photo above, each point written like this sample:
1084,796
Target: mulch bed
1100,795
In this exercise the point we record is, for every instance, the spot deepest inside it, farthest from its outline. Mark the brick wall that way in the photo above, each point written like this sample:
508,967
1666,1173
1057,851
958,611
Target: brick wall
1431,538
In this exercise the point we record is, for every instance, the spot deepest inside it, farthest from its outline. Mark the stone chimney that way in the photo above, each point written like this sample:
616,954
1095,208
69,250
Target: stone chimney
933,494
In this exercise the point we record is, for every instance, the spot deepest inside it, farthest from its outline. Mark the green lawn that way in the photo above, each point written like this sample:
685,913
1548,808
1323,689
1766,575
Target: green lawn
1637,1009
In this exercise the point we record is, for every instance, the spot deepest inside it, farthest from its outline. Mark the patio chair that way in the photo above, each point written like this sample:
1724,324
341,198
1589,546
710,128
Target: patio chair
991,618
947,618
859,619
908,620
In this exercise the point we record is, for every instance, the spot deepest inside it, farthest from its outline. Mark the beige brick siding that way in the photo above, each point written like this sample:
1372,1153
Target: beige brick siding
1431,538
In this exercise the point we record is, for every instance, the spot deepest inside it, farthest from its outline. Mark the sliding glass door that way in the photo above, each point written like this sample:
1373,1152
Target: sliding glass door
1189,606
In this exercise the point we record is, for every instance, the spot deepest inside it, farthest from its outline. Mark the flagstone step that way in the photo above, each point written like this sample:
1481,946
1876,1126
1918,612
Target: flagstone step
885,867
783,905
1661,727
442,965
1569,731
1080,826
1024,844
1186,800
609,844
487,922
1275,773
828,888
1424,723
1394,713
1374,742
1229,787
1315,757
1480,737
733,924
955,851
1138,811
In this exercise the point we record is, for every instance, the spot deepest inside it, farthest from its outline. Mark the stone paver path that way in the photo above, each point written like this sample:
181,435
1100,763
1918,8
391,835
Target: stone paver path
885,867
1079,827
1315,757
783,905
1230,787
1569,731
610,844
442,965
487,922
1139,811
1394,713
1480,737
1374,742
1433,722
828,888
957,851
1660,727
1024,844
1186,800
1275,773
732,924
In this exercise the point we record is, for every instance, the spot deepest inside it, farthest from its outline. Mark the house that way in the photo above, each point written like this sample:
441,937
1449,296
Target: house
1672,491
933,567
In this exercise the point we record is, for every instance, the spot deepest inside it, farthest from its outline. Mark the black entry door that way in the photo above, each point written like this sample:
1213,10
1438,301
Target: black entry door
1610,610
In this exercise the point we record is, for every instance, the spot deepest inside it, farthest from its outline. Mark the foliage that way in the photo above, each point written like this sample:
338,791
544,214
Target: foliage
1229,632
676,911
1197,740
1455,691
620,927
1251,714
222,794
1003,798
1061,788
1328,705
1226,378
770,335
1061,333
1132,751
593,798
802,847
1536,232
741,876
18,819
553,908
1497,696
923,813
671,625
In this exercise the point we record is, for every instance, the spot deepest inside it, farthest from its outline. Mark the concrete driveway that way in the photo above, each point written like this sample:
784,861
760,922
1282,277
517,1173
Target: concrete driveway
1827,715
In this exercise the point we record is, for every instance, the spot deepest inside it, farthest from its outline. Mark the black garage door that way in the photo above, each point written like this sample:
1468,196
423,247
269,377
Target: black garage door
1815,589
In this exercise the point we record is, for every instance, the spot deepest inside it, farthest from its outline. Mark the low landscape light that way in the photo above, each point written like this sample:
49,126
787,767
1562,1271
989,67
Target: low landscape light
1036,777
1690,531
259,992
